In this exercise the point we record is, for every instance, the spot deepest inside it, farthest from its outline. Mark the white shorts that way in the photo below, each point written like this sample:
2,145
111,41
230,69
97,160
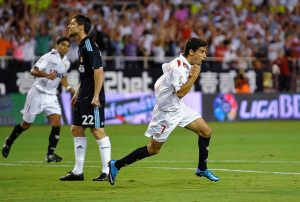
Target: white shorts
163,123
38,102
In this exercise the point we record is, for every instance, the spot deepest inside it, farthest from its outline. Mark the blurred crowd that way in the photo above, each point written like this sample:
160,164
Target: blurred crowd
263,35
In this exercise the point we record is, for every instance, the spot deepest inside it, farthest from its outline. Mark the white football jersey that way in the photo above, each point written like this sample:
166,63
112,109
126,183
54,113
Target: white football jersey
175,75
51,62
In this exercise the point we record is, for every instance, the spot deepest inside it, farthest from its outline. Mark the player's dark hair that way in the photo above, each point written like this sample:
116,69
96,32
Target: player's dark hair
62,39
193,44
85,21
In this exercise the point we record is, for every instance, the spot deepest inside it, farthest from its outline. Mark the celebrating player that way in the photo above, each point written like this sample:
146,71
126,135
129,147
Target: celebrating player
50,70
178,78
88,101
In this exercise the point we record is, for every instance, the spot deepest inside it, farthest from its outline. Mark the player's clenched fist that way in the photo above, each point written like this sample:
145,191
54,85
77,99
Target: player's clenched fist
52,75
195,70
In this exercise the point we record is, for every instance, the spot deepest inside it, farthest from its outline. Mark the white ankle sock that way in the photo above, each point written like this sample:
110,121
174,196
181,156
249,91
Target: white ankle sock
105,153
79,149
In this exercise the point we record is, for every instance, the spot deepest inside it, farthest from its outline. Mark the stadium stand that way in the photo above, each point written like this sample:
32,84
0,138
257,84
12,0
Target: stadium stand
261,35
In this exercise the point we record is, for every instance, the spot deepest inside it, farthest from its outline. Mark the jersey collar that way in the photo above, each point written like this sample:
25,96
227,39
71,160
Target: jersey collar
185,62
58,55
83,40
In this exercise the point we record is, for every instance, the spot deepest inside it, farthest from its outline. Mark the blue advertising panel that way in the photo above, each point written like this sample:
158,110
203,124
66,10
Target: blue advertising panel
136,108
132,108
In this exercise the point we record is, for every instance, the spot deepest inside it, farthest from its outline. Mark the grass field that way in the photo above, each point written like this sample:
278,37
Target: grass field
257,161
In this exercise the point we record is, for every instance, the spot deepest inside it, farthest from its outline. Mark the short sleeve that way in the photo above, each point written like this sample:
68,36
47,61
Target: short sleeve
67,65
176,78
94,54
42,63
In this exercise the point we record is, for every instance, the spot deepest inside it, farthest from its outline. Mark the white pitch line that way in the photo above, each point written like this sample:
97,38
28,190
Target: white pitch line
229,170
186,161
153,167
43,165
258,171
247,161
226,161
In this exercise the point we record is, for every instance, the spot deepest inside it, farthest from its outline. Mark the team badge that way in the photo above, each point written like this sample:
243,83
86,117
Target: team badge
181,80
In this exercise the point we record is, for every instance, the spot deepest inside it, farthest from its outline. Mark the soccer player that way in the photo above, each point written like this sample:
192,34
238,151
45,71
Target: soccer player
178,78
50,70
88,102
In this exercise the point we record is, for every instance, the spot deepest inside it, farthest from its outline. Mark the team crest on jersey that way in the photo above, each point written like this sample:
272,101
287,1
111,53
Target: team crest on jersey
181,80
185,66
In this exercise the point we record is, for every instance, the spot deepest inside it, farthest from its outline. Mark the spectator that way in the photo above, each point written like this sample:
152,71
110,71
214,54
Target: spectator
28,52
258,28
230,60
275,45
284,76
220,51
18,51
130,49
181,14
5,45
158,53
5,49
117,47
42,41
259,71
241,83
138,27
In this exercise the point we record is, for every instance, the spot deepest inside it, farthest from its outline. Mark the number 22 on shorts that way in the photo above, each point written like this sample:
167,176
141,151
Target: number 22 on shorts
88,120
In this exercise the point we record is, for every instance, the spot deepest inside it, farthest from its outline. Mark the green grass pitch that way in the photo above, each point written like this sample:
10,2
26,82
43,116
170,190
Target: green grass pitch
257,161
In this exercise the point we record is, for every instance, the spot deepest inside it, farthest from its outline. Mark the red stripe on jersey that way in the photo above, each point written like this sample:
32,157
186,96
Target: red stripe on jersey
178,63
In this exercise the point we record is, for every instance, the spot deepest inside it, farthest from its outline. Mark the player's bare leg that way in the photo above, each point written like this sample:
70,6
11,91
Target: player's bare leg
18,129
55,122
200,127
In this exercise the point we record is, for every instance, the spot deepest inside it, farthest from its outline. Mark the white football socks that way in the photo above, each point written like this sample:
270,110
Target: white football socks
105,153
80,145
